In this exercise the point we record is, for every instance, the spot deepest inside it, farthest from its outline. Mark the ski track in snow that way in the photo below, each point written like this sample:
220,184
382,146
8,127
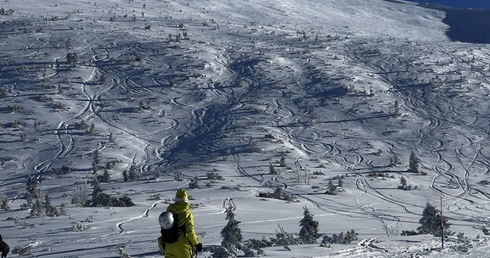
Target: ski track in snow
120,225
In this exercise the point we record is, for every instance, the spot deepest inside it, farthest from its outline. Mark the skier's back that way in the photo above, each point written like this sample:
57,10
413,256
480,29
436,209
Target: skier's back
183,247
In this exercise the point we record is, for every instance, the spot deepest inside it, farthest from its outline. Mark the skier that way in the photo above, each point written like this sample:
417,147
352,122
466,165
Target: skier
187,241
4,248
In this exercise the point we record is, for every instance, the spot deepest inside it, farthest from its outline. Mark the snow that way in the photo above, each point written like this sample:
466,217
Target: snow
314,81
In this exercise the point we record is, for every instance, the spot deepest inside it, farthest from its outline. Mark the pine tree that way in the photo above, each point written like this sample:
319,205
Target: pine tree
32,187
133,176
397,108
394,162
308,233
91,130
106,177
95,161
331,188
232,235
47,203
413,163
97,190
272,169
403,183
125,175
37,208
49,209
340,183
32,190
282,162
431,222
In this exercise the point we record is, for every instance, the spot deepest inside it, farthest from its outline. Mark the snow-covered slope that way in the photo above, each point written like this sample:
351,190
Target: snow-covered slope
224,90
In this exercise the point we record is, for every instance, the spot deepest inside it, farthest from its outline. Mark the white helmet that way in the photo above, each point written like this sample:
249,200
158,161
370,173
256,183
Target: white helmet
166,220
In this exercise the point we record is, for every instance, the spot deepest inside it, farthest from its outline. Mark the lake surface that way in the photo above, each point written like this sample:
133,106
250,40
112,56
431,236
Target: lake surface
460,4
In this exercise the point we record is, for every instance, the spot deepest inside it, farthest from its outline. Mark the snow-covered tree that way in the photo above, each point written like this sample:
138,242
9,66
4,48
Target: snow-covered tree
331,188
194,183
272,169
133,175
340,183
278,193
308,233
403,183
97,190
232,235
125,176
431,222
80,194
413,163
343,239
37,208
282,162
106,177
283,238
95,160
32,189
50,210
485,231
4,202
397,108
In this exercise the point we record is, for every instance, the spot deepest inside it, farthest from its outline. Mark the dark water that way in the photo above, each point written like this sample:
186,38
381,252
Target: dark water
468,20
460,4
470,26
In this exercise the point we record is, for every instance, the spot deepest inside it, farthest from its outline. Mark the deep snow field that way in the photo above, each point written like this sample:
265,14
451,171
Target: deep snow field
220,90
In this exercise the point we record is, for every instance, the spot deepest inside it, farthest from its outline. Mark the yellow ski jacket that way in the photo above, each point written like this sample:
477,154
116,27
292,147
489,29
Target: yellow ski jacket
183,247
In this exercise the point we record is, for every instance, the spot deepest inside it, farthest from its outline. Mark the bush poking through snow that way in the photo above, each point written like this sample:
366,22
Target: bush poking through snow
278,194
219,252
253,247
409,233
4,205
342,239
101,199
194,183
123,253
77,227
251,252
213,176
22,251
404,185
284,238
71,58
6,12
485,231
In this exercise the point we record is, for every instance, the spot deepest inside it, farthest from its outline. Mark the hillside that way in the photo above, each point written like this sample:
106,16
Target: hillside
226,92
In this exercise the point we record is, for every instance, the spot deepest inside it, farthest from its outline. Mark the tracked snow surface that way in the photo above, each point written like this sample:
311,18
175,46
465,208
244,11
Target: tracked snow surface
227,92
